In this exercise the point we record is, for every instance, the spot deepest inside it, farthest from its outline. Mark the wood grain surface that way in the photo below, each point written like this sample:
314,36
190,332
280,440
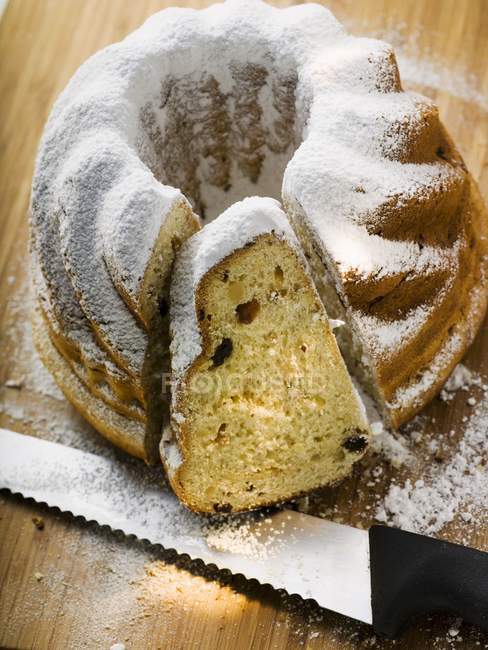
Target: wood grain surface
71,585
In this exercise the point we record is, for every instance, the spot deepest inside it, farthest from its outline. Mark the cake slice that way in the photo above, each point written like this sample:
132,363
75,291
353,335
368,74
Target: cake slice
263,408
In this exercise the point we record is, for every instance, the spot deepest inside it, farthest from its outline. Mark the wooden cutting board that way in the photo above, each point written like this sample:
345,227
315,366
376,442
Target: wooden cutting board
66,584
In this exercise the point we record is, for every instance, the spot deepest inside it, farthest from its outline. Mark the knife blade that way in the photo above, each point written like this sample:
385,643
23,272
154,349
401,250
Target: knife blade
381,577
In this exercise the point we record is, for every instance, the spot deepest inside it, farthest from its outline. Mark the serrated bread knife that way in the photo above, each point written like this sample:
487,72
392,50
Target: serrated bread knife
382,576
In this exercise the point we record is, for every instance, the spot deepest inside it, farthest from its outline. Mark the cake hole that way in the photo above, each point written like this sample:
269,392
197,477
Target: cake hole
222,352
303,347
225,276
222,437
441,152
201,314
210,492
247,311
278,274
176,119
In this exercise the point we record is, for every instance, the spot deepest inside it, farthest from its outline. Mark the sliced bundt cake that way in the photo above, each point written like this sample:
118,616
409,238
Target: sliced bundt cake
200,108
263,408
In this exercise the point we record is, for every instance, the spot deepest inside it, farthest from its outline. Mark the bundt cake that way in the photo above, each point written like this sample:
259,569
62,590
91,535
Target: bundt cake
263,407
198,109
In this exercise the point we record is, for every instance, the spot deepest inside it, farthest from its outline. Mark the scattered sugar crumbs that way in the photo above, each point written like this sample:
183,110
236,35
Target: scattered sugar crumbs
174,590
96,612
453,489
166,586
46,412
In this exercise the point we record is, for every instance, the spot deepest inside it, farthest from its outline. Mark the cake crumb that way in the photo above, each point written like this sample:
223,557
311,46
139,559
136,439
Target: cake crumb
393,447
376,428
460,378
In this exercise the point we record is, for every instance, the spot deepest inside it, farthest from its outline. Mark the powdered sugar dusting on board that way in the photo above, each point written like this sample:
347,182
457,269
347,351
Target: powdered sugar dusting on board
458,489
393,447
433,74
461,377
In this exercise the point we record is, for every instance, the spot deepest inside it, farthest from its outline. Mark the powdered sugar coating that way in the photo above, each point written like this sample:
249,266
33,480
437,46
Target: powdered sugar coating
133,214
234,229
96,196
90,171
74,327
458,340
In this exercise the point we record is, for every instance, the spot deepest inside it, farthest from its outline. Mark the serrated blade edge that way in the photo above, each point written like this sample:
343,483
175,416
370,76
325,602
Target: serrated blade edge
301,554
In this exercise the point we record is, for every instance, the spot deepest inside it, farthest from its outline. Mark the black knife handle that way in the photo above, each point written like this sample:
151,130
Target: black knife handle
412,574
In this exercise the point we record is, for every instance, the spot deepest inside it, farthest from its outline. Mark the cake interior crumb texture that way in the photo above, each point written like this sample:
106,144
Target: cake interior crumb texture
267,410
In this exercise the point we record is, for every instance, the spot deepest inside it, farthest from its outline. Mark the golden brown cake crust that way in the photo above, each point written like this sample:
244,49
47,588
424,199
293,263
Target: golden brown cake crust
407,326
125,433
